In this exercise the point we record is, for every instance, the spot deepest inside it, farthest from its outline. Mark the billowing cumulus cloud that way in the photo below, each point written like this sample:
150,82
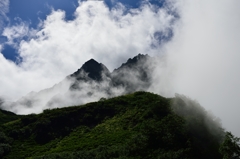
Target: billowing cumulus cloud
60,47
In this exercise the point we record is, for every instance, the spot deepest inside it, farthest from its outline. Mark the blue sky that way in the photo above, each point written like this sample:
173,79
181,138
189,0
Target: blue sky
32,12
43,41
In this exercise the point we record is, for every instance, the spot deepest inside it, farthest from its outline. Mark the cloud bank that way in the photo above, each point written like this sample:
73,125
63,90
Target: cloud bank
205,57
60,47
201,60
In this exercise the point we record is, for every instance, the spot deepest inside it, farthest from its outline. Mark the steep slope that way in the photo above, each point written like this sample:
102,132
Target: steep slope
7,116
139,125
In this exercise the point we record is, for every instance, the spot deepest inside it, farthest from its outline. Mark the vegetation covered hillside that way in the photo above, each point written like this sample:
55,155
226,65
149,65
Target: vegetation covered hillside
138,125
6,116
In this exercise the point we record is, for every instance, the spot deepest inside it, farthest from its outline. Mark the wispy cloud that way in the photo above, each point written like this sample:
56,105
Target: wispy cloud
4,8
16,33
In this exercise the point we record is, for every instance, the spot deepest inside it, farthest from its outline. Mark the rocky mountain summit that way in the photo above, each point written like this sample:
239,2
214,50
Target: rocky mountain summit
132,76
135,74
91,70
91,82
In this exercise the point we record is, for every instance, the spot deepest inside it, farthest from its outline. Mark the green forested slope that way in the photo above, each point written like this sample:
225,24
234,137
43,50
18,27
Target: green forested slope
138,125
6,116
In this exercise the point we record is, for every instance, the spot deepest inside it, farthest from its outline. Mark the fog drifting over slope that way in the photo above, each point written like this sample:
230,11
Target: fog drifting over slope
206,54
201,60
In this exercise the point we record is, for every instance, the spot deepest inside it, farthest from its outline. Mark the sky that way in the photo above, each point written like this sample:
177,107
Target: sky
42,42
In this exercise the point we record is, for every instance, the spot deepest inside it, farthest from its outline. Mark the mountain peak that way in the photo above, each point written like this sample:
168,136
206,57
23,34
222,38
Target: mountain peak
91,62
136,68
93,69
133,61
91,66
137,58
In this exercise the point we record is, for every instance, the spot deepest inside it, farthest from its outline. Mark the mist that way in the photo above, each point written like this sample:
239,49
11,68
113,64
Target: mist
200,59
204,55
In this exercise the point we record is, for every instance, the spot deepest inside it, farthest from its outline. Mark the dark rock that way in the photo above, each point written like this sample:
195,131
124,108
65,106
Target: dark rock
91,70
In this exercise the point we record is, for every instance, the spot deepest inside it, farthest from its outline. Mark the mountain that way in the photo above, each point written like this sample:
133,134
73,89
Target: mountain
90,70
90,83
135,74
138,125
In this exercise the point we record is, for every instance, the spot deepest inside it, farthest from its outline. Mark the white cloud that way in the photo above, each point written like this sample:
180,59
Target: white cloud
4,8
204,55
17,32
61,47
